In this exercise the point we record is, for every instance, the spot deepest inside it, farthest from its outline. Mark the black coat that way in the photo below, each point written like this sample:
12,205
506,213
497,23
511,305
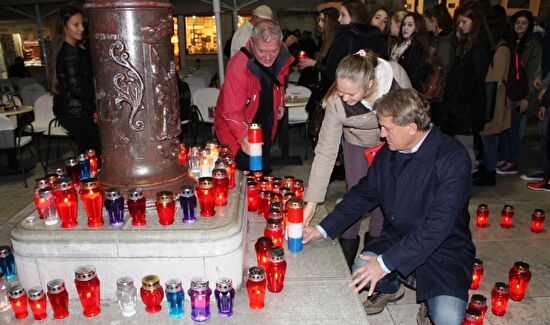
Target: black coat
463,107
75,87
415,61
350,39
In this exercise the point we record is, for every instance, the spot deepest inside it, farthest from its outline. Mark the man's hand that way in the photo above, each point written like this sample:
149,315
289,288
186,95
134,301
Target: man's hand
368,273
309,212
245,146
523,105
280,112
310,233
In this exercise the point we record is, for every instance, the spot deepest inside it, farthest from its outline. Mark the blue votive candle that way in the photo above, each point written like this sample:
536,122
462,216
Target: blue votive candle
84,166
114,204
174,295
188,204
225,296
7,262
200,299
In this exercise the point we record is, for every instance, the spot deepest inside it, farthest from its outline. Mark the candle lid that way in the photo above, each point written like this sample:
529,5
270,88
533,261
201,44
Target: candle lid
256,274
124,282
274,214
255,126
277,180
90,152
507,208
473,312
521,267
36,293
273,224
60,172
295,203
52,177
165,197
194,151
63,184
285,190
56,286
150,282
199,284
71,162
206,182
5,251
501,287
539,213
82,157
221,163
276,254
16,290
84,273
174,285
187,191
264,240
288,178
219,173
298,182
112,194
45,193
89,184
251,184
228,160
205,152
224,284
479,298
478,263
258,174
288,196
135,194
41,183
483,206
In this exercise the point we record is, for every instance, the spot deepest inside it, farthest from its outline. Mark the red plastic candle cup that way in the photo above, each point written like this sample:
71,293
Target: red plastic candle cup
286,197
72,169
232,165
274,230
276,269
151,293
472,317
507,214
265,201
537,220
262,247
287,181
298,188
40,183
221,186
136,206
477,274
479,302
59,298
275,214
265,185
88,288
518,280
18,300
166,207
258,176
302,55
93,159
92,196
255,287
252,196
482,215
206,196
183,154
37,301
499,299
67,202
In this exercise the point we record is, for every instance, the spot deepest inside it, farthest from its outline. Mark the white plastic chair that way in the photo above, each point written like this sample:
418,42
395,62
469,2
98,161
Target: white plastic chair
297,115
9,140
30,92
204,99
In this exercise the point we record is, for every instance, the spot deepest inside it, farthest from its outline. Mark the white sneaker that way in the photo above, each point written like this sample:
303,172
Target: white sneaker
533,176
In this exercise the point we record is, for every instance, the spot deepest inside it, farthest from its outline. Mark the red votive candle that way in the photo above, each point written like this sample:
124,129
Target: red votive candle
276,269
506,214
221,186
18,300
518,280
262,247
482,215
255,287
151,293
93,159
67,202
537,220
166,207
472,316
206,196
265,185
288,181
72,169
136,206
252,196
274,230
265,201
499,299
87,286
232,165
298,188
479,302
40,184
258,176
183,154
59,298
37,301
92,197
477,274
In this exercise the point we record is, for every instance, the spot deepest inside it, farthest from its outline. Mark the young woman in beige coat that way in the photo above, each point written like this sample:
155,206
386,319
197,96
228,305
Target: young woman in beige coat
360,80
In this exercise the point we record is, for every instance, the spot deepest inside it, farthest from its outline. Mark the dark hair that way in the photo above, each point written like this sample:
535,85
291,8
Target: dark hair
329,30
527,14
386,31
473,11
420,34
441,15
499,28
357,11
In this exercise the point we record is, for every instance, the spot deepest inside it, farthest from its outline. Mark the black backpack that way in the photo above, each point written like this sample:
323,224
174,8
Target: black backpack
517,84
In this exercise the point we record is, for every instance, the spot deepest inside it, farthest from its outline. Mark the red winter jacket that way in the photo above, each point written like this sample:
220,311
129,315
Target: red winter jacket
240,97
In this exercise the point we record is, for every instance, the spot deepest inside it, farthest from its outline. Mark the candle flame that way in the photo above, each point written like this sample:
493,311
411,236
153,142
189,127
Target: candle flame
258,292
88,294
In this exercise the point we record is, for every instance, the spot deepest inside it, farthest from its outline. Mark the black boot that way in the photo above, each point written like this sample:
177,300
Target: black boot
349,247
486,179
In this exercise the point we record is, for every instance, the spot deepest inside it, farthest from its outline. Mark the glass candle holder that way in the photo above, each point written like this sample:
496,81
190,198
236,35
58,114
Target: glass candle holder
206,196
166,207
262,247
274,230
18,300
298,188
114,204
477,274
4,296
47,207
66,202
7,263
89,291
59,298
84,166
151,293
482,215
193,161
40,183
188,204
174,296
92,196
295,218
506,216
37,301
206,163
221,186
252,196
225,297
479,302
136,206
126,294
499,299
472,316
200,299
255,287
537,220
276,269
182,156
518,280
93,161
72,169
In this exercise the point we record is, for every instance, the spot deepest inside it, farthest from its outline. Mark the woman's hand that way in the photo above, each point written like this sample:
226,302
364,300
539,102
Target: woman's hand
306,63
309,212
542,113
523,105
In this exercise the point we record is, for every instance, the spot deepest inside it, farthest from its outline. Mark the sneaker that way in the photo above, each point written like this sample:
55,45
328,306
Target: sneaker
539,186
535,175
422,318
500,163
509,168
376,303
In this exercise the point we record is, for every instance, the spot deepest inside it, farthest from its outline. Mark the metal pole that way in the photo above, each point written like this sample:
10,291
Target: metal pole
216,4
43,48
235,11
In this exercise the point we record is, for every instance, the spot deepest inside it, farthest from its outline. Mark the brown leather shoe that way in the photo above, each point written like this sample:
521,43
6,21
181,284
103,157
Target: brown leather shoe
376,303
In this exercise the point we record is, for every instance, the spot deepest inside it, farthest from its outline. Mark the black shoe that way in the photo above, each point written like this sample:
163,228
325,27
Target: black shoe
486,179
349,247
338,173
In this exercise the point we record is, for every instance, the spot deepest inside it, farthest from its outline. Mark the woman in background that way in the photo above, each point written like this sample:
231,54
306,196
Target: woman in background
379,18
395,28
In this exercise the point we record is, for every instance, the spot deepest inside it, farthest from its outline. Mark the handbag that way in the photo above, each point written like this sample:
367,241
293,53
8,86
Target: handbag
370,153
316,112
490,99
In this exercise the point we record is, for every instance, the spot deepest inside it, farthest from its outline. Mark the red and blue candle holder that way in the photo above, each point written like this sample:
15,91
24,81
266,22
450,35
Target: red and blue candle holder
255,143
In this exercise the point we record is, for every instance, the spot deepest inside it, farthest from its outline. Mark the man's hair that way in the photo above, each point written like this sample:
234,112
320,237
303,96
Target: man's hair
405,106
267,30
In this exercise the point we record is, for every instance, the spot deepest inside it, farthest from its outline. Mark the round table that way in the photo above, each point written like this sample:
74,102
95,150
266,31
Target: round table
20,110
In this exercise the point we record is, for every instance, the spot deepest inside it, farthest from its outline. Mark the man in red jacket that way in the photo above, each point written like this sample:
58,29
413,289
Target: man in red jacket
253,92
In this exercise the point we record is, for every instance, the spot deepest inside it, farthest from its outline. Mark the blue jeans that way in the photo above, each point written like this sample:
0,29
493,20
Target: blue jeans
515,135
490,146
543,134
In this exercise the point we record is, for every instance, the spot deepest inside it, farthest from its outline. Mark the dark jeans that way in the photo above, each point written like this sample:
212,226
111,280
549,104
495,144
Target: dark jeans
84,131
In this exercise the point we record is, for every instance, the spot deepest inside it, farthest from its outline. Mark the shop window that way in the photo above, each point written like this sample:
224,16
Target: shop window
242,20
200,35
